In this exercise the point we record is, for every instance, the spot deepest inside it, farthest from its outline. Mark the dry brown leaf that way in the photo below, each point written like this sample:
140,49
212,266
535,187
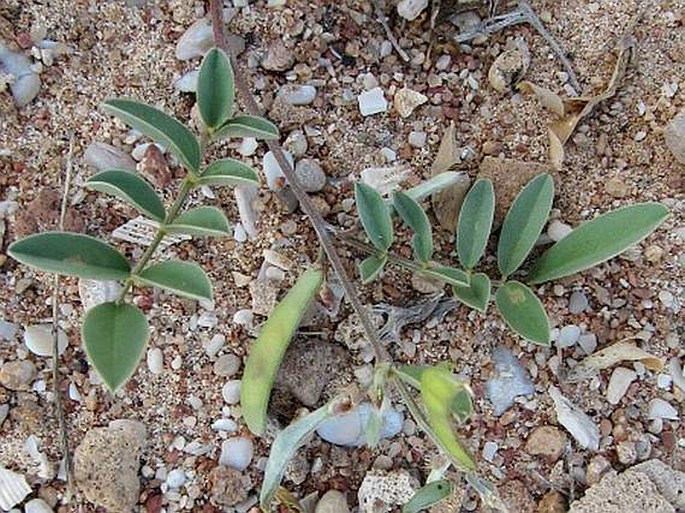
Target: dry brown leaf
571,110
619,352
447,203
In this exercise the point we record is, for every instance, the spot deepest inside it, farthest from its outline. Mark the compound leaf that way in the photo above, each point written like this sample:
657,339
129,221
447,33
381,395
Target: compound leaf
475,222
228,172
415,217
269,348
115,336
374,215
524,222
215,92
598,240
130,187
71,254
201,221
183,278
523,312
159,126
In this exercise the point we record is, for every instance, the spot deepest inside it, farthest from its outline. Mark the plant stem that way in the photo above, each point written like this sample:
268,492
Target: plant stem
59,407
368,248
177,205
305,201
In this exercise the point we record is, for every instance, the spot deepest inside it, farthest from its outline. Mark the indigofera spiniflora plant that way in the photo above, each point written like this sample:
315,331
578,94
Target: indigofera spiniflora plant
115,333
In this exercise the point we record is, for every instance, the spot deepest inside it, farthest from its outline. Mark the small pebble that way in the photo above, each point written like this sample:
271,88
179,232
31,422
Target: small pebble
674,135
155,360
298,94
214,345
619,382
296,143
37,506
188,82
577,303
195,41
489,451
660,409
664,381
231,392
310,175
372,102
558,230
17,375
417,139
568,336
278,57
640,136
349,429
38,339
243,318
332,501
410,9
588,342
236,453
227,425
227,365
248,146
275,179
176,478
407,100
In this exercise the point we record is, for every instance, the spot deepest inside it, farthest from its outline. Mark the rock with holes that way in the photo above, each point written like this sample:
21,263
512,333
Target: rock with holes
379,492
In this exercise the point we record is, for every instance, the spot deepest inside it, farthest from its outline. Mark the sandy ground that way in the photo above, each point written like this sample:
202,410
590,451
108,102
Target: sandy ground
616,157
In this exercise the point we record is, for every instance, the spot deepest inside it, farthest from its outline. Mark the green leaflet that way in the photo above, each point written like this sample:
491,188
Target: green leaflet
215,91
284,448
414,216
476,294
183,278
374,215
115,336
439,391
228,172
371,267
475,222
430,494
129,187
523,312
449,275
248,126
202,222
598,240
524,222
159,126
268,350
71,254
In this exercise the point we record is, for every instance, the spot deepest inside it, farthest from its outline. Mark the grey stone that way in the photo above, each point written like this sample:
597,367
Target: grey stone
349,429
298,94
310,175
17,375
227,365
674,135
104,156
510,381
577,303
332,501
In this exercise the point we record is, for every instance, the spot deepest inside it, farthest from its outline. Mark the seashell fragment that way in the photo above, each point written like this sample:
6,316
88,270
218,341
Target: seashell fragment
13,488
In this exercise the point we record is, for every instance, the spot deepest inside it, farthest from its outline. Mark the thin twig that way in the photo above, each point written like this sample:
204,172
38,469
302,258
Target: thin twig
59,407
305,201
383,20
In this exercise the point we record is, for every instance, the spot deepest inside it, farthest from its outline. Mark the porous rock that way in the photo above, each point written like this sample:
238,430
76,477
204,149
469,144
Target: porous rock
546,441
106,464
229,487
332,501
379,492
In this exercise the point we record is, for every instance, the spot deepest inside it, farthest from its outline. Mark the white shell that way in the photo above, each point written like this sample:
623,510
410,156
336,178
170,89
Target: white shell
38,340
13,488
37,506
94,292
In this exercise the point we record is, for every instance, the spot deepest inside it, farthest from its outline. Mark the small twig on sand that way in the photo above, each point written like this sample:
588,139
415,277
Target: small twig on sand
383,20
522,14
59,407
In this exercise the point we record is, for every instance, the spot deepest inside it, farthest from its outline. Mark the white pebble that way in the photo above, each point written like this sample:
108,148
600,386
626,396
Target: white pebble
195,41
231,391
155,360
489,451
74,394
248,146
417,139
38,340
239,233
176,478
660,409
568,336
664,381
275,179
410,9
372,102
243,318
37,506
588,342
558,230
214,345
104,156
227,425
619,382
188,82
298,94
236,453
